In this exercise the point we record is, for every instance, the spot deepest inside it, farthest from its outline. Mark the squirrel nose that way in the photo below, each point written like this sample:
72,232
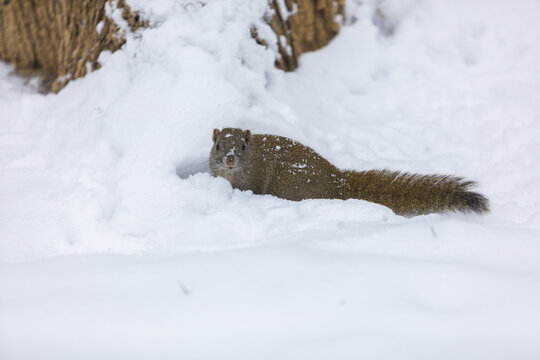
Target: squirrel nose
230,160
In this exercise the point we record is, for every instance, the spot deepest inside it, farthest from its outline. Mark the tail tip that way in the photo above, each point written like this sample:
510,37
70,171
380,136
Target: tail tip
477,203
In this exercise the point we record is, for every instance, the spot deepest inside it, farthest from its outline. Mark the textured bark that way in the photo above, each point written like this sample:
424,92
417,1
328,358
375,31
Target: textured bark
58,39
304,25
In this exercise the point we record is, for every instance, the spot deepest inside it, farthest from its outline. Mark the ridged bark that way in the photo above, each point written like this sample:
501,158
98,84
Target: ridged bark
304,25
58,39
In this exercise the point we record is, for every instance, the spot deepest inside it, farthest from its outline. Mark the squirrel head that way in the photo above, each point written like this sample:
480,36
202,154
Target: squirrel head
231,150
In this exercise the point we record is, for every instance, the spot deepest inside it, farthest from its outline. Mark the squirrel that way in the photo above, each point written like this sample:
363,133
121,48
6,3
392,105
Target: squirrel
279,166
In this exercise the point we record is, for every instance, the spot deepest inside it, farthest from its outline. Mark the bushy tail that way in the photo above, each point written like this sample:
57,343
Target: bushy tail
412,194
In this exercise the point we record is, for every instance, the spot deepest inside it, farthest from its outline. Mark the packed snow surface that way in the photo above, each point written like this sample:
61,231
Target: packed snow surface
116,242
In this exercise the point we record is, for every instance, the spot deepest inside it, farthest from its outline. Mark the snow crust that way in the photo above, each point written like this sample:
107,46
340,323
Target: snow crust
115,241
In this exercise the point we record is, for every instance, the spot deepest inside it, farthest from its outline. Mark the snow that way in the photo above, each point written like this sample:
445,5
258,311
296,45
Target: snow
116,242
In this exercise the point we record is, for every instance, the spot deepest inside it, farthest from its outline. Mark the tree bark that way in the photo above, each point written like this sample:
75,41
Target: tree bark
58,39
304,25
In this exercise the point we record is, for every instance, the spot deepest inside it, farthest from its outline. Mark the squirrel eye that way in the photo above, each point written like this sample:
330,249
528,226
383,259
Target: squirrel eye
243,146
217,147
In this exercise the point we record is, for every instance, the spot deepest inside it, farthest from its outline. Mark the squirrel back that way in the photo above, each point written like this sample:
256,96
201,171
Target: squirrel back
279,166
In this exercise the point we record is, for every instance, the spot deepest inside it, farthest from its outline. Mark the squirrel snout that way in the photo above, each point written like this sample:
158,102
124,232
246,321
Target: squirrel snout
230,161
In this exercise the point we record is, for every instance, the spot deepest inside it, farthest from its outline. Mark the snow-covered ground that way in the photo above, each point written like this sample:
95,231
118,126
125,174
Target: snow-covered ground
116,243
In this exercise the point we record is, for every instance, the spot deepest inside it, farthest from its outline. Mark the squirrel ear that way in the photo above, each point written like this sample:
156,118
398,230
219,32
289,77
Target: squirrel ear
247,135
215,135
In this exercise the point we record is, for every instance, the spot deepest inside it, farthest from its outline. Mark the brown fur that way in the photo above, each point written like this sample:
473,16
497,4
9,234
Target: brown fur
279,166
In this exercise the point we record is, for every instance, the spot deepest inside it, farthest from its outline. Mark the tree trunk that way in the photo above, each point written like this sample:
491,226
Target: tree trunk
304,25
59,40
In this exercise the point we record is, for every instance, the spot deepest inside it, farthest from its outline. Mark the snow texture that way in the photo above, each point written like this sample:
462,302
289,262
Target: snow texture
117,243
